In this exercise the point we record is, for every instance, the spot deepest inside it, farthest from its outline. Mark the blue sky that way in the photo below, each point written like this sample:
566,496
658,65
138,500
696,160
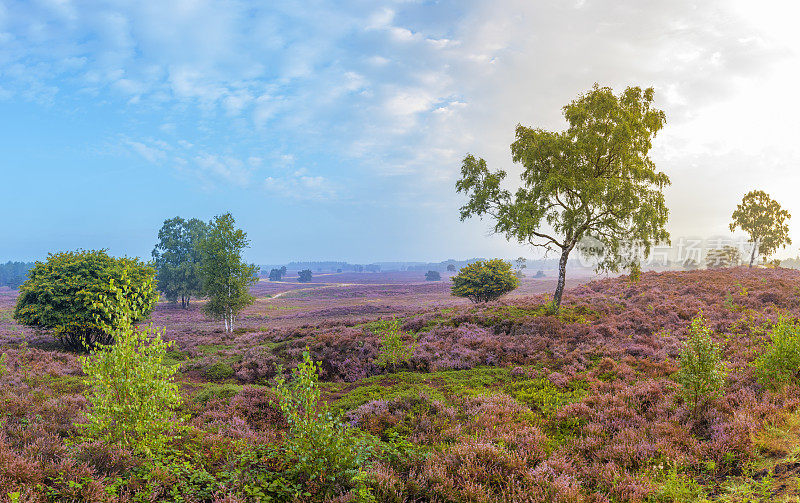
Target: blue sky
335,130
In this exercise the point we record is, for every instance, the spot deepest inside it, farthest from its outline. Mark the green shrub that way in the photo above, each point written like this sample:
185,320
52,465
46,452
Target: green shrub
86,296
702,372
780,363
131,391
218,371
325,448
483,281
393,350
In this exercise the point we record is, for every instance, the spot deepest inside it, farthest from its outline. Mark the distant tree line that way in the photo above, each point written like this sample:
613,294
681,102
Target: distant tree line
13,274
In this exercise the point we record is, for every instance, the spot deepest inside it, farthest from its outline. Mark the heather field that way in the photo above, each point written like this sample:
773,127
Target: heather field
498,402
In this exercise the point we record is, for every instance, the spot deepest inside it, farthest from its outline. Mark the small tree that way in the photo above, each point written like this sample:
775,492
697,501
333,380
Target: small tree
595,181
276,274
304,276
451,268
433,276
86,296
131,391
484,281
765,221
327,449
226,278
702,372
393,349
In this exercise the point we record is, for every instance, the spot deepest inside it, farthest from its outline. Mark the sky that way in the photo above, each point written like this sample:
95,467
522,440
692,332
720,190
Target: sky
336,130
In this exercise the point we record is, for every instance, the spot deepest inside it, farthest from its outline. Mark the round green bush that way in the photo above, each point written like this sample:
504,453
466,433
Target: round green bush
86,296
484,280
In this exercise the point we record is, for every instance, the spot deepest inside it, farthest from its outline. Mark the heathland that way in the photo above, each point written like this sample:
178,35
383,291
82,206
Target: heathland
502,401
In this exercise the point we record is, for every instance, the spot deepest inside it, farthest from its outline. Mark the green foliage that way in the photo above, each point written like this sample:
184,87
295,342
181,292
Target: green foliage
131,391
594,184
702,372
543,396
216,391
277,274
177,258
764,220
218,371
433,276
780,363
86,296
678,488
226,278
393,350
3,368
483,281
304,276
326,449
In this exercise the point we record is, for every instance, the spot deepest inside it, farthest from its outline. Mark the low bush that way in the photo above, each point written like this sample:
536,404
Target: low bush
780,363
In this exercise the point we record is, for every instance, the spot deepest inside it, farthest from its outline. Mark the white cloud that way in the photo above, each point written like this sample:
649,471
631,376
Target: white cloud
300,185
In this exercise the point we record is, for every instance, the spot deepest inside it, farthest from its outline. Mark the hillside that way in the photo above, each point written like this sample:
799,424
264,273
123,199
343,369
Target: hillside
499,402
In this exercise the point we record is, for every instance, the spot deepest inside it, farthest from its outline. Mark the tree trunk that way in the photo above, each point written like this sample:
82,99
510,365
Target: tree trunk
562,277
753,255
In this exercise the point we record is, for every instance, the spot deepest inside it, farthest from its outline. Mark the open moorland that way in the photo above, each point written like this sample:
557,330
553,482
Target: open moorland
499,402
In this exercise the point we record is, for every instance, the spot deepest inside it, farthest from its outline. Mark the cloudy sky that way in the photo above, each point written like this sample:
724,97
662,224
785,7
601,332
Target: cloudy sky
335,130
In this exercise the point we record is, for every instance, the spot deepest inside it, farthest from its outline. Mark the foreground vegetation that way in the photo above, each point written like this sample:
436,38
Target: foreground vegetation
503,401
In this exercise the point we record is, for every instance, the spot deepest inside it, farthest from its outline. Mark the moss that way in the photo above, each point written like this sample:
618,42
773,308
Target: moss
442,385
215,391
175,357
543,396
566,314
218,371
60,384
